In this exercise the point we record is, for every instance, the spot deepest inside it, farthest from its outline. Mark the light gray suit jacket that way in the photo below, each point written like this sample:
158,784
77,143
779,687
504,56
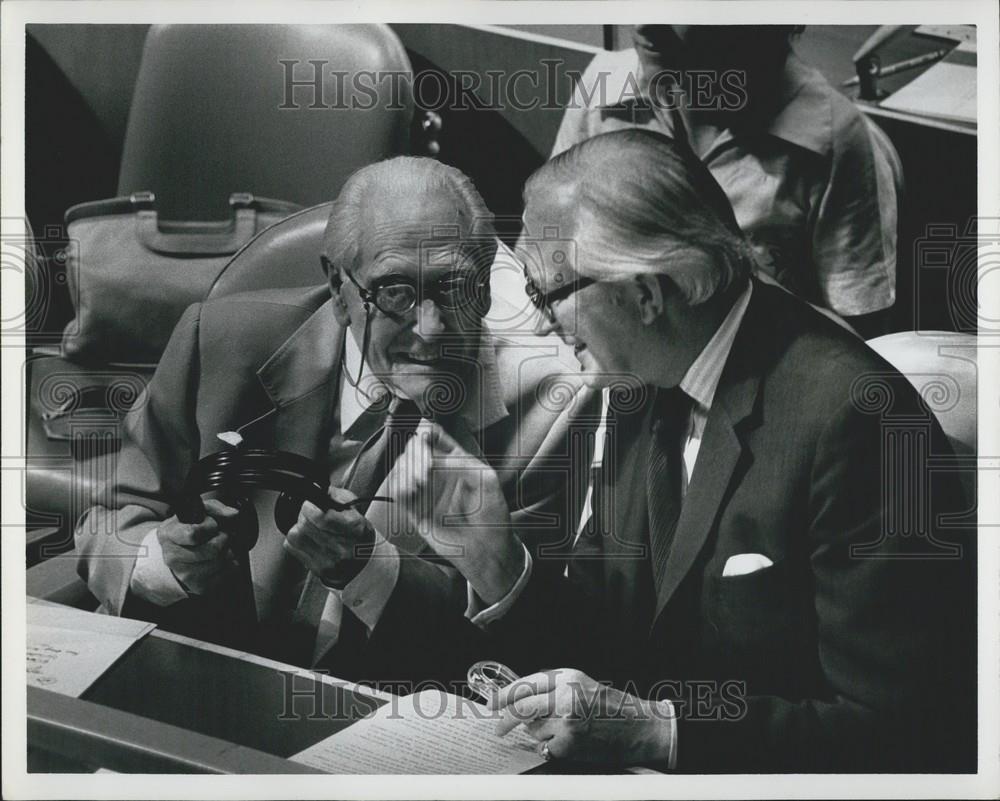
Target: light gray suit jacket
268,363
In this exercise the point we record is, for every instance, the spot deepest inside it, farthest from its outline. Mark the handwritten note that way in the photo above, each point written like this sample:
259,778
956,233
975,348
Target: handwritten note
427,732
68,649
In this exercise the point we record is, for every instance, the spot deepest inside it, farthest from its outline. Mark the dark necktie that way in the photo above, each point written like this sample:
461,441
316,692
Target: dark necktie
373,463
665,474
609,564
381,450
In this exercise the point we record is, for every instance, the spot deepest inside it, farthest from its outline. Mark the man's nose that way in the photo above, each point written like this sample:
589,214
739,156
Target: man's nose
429,322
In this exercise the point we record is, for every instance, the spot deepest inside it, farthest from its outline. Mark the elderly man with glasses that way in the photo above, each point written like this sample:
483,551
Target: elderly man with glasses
341,374
774,576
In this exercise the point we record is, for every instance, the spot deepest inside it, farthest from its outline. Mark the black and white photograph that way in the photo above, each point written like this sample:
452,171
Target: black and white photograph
500,400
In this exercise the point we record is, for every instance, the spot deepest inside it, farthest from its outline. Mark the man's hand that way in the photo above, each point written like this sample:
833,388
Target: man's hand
584,720
324,541
454,501
198,554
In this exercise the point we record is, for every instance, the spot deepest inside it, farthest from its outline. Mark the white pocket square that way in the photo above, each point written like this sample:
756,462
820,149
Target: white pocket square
743,563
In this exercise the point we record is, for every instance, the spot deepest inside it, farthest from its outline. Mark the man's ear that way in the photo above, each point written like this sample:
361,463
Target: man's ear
649,298
339,302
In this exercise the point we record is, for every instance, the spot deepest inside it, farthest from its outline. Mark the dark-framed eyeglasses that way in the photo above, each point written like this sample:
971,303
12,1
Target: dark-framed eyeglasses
466,292
543,300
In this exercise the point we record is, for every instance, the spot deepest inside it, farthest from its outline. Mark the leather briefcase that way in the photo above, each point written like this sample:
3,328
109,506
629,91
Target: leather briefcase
132,275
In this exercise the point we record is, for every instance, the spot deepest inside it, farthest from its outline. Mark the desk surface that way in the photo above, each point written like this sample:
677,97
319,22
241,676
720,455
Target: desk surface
250,703
186,701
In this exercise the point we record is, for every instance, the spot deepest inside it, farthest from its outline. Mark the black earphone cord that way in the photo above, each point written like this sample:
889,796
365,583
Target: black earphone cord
364,350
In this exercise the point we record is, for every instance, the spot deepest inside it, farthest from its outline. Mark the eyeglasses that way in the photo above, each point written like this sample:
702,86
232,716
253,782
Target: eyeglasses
467,292
543,300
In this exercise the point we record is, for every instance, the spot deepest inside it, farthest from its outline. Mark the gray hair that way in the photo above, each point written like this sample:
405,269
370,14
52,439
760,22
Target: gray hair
645,204
406,177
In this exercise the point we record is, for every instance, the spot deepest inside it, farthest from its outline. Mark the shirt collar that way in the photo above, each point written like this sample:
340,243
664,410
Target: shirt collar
483,401
804,114
702,377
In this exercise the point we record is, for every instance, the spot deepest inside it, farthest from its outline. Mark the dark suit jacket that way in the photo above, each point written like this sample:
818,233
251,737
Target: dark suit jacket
855,651
271,359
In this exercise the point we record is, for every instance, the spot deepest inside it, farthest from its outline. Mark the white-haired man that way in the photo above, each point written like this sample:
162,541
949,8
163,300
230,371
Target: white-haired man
400,332
766,583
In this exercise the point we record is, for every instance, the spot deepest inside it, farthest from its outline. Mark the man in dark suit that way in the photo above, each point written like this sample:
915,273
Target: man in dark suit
402,325
768,581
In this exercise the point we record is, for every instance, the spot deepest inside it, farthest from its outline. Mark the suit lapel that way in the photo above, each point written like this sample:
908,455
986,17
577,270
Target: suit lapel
722,446
301,379
719,453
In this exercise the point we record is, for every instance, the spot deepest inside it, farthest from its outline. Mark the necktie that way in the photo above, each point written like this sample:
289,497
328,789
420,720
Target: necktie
664,474
383,448
372,464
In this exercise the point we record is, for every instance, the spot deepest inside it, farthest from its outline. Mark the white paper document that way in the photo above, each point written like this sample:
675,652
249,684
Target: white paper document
68,649
427,732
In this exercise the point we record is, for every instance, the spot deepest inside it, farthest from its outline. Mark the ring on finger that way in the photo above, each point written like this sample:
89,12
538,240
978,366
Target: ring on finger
545,753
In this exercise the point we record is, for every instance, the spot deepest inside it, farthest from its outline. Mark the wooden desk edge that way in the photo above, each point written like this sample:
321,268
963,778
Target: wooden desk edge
359,689
93,734
876,110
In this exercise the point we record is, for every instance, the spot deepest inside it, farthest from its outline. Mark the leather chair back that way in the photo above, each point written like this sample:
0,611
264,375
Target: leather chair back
285,254
214,112
942,367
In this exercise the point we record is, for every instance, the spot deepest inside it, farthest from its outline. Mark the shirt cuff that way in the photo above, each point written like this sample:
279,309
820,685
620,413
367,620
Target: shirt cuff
151,579
668,716
483,617
367,594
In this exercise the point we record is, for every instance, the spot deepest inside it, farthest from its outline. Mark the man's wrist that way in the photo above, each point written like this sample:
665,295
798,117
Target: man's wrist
496,571
367,595
152,579
659,739
483,617
347,569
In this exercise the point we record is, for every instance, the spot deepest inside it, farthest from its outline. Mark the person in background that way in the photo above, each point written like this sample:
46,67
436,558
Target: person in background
812,181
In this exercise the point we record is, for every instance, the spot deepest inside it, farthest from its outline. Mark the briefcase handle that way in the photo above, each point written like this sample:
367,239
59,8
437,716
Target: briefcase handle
186,239
198,239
